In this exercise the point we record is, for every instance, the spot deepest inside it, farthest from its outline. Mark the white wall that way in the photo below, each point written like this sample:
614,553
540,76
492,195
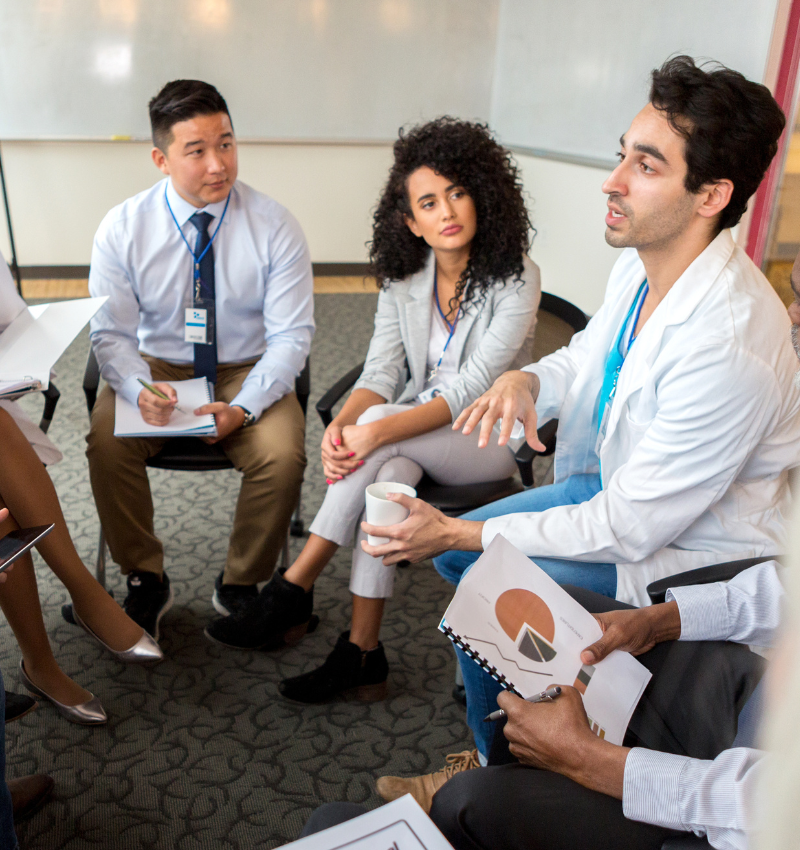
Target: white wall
567,208
59,192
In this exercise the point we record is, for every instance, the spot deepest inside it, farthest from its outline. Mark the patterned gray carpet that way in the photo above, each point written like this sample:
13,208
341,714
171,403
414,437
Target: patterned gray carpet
201,751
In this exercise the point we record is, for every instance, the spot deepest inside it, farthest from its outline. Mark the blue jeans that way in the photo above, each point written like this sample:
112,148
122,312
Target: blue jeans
8,838
481,688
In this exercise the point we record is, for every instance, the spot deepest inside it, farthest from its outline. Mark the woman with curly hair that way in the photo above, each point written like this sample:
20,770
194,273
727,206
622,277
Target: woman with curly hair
457,308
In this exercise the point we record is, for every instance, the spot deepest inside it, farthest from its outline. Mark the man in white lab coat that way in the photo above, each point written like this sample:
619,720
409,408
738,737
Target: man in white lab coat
678,414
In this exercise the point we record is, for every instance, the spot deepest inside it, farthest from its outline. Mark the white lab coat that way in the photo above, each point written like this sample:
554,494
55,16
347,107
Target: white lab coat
702,431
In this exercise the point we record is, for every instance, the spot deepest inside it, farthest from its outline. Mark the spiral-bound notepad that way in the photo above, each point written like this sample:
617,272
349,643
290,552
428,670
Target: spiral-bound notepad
515,622
192,394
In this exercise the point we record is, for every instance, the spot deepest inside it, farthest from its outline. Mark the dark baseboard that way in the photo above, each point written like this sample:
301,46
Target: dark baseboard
54,272
79,272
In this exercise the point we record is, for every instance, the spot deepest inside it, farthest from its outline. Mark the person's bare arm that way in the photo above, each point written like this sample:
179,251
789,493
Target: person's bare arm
556,736
425,533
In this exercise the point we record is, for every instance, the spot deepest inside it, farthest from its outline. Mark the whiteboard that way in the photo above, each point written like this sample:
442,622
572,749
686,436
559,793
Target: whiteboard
570,75
289,69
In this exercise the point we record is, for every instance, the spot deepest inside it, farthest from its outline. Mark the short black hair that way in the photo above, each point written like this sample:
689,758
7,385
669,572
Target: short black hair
467,154
731,126
181,100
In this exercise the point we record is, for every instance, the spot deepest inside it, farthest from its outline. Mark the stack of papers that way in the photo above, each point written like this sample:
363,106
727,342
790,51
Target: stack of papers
192,394
400,825
38,336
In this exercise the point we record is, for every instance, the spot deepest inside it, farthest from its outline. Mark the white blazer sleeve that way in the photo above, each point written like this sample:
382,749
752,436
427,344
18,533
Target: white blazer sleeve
383,368
684,462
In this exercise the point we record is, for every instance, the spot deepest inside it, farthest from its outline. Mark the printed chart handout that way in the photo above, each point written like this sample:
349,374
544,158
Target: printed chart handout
528,633
400,825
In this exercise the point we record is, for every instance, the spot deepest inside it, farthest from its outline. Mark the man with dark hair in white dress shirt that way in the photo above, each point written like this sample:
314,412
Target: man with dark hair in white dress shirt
206,277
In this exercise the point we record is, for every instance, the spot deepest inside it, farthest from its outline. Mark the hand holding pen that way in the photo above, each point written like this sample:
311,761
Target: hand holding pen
162,395
545,696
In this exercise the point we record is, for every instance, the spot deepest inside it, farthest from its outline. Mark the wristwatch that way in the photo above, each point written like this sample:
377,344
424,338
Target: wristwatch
249,419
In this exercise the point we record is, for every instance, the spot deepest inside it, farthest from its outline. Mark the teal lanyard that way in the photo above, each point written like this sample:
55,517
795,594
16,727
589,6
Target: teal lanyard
616,357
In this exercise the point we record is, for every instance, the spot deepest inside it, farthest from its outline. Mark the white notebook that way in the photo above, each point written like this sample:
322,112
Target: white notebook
192,394
528,633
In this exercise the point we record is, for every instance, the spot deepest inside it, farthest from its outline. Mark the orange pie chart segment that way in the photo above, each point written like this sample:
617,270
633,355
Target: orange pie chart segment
516,608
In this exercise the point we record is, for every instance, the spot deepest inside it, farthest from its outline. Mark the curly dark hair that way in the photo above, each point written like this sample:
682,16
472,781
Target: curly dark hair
465,153
731,127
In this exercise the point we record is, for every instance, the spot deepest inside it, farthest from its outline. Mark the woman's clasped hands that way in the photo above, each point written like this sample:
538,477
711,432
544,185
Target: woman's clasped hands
345,447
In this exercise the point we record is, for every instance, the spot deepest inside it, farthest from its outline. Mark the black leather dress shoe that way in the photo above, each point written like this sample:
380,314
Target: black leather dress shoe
29,794
18,705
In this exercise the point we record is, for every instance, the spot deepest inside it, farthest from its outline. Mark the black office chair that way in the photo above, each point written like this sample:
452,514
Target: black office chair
557,321
189,454
657,590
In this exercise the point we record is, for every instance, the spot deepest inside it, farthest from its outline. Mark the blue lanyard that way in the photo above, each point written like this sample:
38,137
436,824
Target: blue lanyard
451,328
197,260
616,358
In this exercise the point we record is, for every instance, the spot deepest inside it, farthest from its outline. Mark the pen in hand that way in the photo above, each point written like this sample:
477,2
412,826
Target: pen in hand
545,696
157,392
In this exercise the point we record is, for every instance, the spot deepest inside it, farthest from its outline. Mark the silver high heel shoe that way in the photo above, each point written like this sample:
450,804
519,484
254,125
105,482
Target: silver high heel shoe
143,651
88,713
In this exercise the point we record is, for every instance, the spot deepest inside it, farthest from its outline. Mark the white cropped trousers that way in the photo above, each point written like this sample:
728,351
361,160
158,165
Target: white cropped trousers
446,455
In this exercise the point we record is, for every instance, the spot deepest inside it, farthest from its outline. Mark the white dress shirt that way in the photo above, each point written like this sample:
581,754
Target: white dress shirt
711,798
263,290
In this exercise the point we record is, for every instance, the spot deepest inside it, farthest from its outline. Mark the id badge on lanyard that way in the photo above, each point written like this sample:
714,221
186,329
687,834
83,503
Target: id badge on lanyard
200,322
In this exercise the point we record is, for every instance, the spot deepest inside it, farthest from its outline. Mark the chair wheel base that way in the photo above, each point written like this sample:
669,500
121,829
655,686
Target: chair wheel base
297,528
460,694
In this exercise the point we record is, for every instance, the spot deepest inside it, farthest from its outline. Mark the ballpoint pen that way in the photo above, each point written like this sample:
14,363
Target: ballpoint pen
157,392
545,696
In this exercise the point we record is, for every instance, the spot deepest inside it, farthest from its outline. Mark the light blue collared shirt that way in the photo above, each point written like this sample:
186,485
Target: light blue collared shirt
263,282
711,798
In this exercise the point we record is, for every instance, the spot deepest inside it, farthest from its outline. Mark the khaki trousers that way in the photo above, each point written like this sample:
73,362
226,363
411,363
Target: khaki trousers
269,454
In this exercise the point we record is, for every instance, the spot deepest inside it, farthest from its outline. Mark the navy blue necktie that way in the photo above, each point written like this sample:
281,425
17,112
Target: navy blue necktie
205,356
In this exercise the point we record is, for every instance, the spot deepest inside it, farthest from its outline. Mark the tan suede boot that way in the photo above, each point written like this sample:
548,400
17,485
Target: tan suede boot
422,788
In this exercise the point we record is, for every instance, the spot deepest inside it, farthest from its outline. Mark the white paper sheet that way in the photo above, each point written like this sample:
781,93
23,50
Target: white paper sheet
400,825
524,625
192,394
39,335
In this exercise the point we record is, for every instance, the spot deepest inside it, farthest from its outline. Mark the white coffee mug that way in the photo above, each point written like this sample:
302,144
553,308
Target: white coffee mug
380,511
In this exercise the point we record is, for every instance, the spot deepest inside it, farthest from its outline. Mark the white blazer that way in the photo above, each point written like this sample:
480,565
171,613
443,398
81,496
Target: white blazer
702,431
491,337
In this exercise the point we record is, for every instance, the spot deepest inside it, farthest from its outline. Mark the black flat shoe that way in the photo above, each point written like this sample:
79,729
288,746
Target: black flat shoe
279,616
348,671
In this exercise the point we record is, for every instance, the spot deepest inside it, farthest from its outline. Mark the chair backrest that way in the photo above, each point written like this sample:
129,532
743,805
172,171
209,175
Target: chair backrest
557,321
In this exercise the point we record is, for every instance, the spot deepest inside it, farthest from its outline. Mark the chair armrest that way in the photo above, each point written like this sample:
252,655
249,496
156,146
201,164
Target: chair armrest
657,590
51,397
328,401
91,380
525,454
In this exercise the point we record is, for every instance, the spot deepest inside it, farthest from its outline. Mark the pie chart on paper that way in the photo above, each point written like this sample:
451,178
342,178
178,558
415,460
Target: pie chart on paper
527,620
